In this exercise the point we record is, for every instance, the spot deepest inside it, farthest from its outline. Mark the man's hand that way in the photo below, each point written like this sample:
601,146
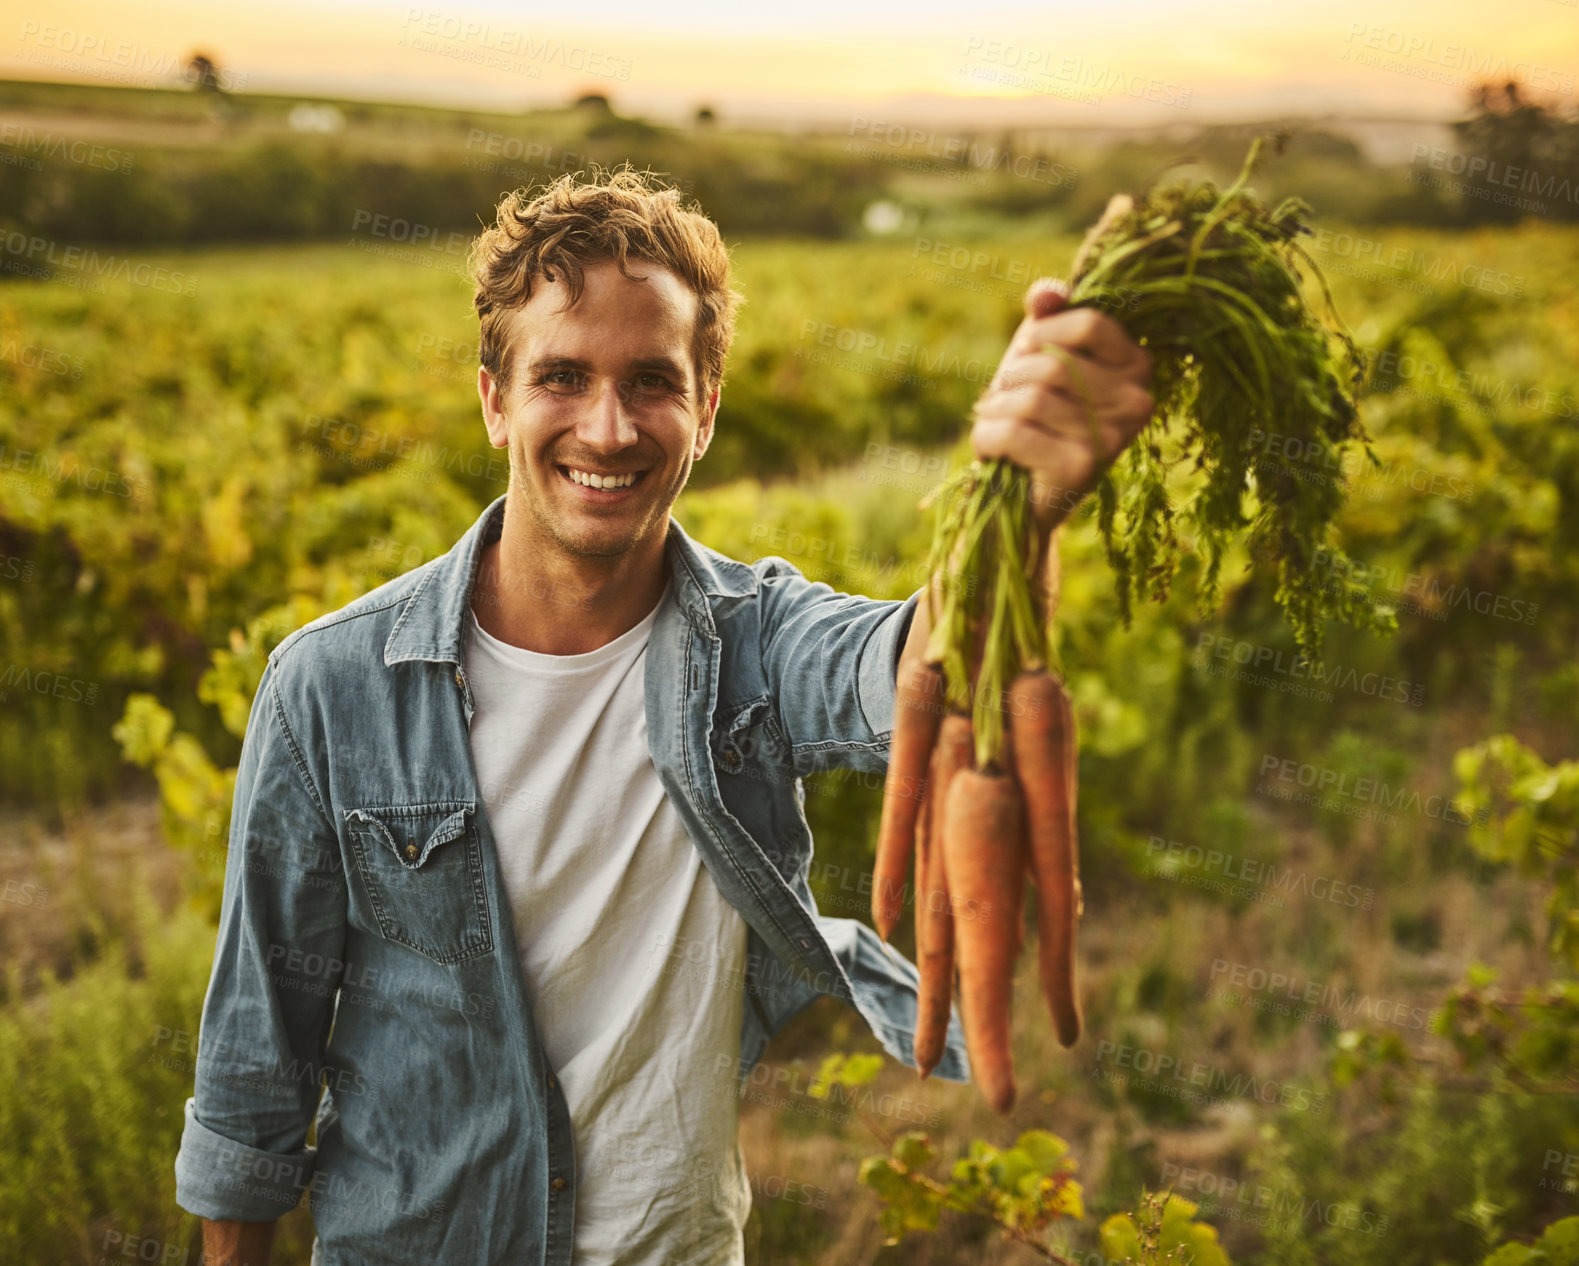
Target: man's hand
1033,413
1038,409
237,1243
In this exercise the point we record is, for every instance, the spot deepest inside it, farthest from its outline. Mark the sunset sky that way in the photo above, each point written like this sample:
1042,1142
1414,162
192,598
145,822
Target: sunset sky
1120,62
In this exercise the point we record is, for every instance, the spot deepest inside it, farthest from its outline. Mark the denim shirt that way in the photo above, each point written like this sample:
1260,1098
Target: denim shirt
366,975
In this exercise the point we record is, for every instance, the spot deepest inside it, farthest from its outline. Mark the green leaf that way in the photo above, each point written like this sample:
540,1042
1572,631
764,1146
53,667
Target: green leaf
144,729
1120,1237
1046,1150
913,1150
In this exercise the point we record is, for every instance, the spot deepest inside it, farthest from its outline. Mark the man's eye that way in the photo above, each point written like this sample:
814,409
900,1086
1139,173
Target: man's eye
562,378
651,381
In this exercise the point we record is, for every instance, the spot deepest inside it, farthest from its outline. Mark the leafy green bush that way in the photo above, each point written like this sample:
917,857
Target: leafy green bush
94,1071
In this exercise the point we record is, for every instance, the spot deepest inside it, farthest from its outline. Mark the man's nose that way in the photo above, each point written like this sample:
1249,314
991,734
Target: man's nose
608,423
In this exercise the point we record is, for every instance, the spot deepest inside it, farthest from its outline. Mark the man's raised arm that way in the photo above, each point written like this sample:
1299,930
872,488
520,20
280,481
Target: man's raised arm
831,659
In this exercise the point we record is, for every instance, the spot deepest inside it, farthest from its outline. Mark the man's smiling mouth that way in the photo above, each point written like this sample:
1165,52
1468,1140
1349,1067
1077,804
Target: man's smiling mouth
592,479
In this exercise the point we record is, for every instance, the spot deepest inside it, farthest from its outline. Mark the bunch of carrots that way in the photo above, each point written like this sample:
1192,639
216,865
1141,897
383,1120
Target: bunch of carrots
977,820
981,787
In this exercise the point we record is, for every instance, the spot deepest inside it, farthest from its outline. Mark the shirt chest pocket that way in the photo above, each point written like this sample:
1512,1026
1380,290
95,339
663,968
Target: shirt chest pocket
422,866
748,735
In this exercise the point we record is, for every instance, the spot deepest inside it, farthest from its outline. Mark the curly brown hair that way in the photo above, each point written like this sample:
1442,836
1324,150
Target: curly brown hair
620,215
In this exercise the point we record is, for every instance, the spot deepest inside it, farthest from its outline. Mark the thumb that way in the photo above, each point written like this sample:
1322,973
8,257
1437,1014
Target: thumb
1045,296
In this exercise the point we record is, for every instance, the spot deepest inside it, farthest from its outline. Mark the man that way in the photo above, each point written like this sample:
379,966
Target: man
517,889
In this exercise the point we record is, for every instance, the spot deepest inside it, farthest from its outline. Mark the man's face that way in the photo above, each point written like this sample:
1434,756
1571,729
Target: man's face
606,389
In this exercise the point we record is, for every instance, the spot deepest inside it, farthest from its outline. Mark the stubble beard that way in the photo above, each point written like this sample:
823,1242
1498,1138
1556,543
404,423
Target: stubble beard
552,525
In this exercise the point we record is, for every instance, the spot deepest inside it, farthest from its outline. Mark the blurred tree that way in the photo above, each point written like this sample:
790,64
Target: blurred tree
202,72
1506,132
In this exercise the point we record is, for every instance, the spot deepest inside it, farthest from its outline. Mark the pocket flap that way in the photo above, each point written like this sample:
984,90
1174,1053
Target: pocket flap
412,832
730,741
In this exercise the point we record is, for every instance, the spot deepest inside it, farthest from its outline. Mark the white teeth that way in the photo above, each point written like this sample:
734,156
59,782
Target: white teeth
601,481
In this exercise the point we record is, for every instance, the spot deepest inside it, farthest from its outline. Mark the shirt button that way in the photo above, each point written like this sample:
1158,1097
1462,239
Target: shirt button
731,758
411,850
459,681
558,1184
552,1083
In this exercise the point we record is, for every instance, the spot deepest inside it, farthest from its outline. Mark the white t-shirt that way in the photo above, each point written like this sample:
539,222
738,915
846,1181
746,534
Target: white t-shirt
608,895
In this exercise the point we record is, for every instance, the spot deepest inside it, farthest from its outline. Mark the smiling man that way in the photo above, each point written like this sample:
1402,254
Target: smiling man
517,886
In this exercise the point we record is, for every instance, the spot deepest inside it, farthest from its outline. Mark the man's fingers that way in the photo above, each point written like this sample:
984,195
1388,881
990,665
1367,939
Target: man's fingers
1037,448
1050,389
1045,296
1085,332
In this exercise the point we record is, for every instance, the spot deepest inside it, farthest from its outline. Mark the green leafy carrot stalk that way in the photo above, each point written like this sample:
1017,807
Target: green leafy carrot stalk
1245,372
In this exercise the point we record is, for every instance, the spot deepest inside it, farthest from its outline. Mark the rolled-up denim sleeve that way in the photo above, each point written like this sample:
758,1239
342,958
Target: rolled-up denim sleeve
266,1015
831,659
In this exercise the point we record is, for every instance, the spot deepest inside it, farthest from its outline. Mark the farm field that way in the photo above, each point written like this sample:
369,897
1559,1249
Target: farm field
1288,874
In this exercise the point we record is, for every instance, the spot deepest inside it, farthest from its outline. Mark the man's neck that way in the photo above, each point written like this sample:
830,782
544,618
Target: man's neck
531,594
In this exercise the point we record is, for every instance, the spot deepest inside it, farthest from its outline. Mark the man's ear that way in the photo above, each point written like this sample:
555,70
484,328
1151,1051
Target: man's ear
492,397
704,432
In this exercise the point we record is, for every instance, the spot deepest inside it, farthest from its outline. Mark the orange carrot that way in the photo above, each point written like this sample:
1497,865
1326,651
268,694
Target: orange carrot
984,852
934,919
1044,764
918,711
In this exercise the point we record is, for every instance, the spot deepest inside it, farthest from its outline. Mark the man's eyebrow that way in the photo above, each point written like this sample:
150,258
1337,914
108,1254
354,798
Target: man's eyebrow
663,363
546,363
